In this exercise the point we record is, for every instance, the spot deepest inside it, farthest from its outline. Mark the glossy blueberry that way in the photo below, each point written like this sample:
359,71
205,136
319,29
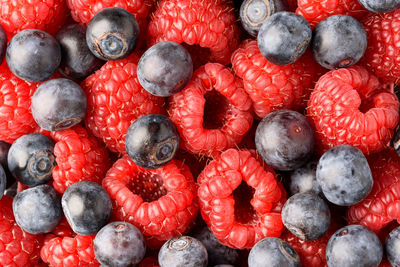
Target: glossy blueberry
285,139
380,6
183,251
339,41
344,175
273,252
31,160
33,55
37,209
165,69
392,246
151,141
3,43
119,244
87,207
112,33
304,179
58,104
4,148
77,62
3,181
284,38
354,246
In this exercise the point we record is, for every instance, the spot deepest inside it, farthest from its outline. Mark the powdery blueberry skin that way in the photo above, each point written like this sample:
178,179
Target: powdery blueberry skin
3,44
392,246
304,179
380,6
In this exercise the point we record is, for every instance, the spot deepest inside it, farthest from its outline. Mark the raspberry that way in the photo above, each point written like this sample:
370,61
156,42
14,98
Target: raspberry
210,24
240,199
115,100
349,106
273,87
161,202
149,262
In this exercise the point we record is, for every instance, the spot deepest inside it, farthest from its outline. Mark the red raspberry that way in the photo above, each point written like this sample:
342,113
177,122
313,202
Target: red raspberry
161,202
273,87
240,199
115,100
149,262
209,24
212,111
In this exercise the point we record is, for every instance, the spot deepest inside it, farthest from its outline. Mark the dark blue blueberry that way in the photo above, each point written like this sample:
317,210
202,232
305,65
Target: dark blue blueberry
151,141
285,139
37,209
112,33
3,43
183,251
380,6
354,246
165,69
58,104
77,62
392,246
339,41
284,38
344,175
273,252
33,55
253,13
87,207
119,244
3,181
31,160
4,148
304,179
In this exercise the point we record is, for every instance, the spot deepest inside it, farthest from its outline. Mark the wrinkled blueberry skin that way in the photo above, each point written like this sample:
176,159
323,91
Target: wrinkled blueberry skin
354,246
112,34
391,247
77,62
183,251
31,160
33,55
119,244
380,6
273,252
344,175
37,209
152,141
165,69
285,140
304,179
87,207
3,43
284,38
58,104
338,41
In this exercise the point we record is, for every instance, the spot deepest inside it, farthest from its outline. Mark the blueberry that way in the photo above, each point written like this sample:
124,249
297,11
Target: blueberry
392,246
285,139
183,251
273,252
4,148
77,62
58,104
304,179
339,41
87,207
37,209
284,38
3,43
253,13
344,175
31,160
354,246
112,33
119,244
33,55
3,181
165,69
380,6
151,141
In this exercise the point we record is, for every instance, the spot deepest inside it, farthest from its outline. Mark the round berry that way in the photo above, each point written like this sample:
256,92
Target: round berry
379,6
3,44
392,245
33,55
4,148
304,179
112,33
3,181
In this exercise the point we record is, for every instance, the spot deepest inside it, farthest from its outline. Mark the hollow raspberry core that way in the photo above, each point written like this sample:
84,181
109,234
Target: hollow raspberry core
244,211
149,186
215,110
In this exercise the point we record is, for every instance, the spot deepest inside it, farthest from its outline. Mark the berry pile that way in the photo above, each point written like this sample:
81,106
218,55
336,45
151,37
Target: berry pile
196,133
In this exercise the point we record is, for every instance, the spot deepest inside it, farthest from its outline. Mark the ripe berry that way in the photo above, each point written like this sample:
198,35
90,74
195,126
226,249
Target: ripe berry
304,179
33,55
378,6
392,247
339,41
112,33
3,181
344,175
285,139
284,38
3,44
31,160
37,209
165,69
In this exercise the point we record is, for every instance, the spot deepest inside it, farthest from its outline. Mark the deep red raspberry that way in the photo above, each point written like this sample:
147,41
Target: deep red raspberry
149,262
212,113
349,106
273,87
240,199
115,100
209,24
